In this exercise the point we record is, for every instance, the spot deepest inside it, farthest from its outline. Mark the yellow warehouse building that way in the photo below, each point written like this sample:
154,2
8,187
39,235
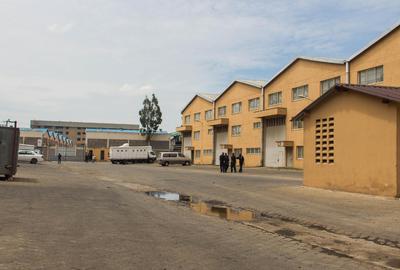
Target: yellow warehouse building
254,117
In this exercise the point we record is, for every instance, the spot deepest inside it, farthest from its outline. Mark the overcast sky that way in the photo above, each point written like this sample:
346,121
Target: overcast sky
96,60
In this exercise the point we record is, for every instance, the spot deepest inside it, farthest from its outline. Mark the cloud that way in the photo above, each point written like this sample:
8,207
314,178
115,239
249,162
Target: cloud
132,90
57,28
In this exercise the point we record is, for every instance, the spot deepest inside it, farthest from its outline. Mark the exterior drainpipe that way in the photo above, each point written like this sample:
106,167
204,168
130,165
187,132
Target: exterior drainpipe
214,138
262,100
347,72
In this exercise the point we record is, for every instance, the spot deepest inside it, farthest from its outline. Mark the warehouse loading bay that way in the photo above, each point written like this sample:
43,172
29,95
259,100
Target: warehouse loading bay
78,215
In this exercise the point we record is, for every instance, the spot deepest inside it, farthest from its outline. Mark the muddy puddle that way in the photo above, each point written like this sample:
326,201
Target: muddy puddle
210,208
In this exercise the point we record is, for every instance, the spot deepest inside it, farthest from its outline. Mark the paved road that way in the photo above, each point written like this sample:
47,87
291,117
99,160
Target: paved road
91,216
276,193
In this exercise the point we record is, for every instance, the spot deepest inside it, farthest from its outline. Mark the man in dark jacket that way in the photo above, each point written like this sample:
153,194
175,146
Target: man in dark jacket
221,162
241,162
233,163
226,162
59,158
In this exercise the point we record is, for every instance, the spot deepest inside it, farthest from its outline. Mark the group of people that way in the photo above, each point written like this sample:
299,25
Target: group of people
224,162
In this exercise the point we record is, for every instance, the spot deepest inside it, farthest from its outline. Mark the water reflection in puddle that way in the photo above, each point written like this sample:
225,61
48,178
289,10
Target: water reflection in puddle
168,196
205,208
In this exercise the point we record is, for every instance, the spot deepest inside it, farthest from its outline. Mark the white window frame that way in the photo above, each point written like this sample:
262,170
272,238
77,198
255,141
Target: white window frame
197,117
371,75
220,109
330,83
254,104
298,124
196,135
236,130
253,151
275,98
236,107
300,154
187,119
299,93
257,125
208,115
197,153
207,152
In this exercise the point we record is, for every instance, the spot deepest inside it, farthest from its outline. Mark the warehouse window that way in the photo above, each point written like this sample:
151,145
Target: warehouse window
222,111
197,153
257,125
236,130
196,135
197,117
187,119
325,140
300,92
298,124
236,107
207,152
300,152
253,151
237,151
371,75
328,84
208,115
275,98
254,104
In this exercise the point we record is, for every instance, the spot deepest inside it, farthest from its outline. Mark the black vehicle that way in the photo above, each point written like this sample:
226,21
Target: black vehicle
9,136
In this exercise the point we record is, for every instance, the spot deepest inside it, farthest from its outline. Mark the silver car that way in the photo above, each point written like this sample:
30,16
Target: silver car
167,158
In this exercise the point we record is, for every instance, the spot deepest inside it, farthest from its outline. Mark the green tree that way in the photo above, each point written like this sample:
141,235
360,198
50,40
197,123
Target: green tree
150,117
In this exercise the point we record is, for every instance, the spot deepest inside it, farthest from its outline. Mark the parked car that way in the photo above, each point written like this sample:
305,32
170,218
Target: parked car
167,158
29,156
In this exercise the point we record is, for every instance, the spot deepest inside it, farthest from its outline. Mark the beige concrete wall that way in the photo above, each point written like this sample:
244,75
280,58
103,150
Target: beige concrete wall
249,137
124,136
387,53
365,145
199,105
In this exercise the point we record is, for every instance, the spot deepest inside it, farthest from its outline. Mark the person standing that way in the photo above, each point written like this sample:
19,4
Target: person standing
59,158
241,162
233,163
226,162
221,162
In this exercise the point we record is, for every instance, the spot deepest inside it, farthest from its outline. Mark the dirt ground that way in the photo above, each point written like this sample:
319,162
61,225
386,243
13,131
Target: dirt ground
98,216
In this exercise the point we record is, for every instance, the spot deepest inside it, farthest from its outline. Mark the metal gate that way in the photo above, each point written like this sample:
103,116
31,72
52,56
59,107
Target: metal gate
275,130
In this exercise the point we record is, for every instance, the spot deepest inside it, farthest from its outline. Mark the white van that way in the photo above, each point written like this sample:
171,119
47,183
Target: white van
131,154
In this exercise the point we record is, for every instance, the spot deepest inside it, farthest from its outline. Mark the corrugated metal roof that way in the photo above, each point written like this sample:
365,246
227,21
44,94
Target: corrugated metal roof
313,59
131,131
43,130
389,93
256,83
208,96
35,123
375,41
